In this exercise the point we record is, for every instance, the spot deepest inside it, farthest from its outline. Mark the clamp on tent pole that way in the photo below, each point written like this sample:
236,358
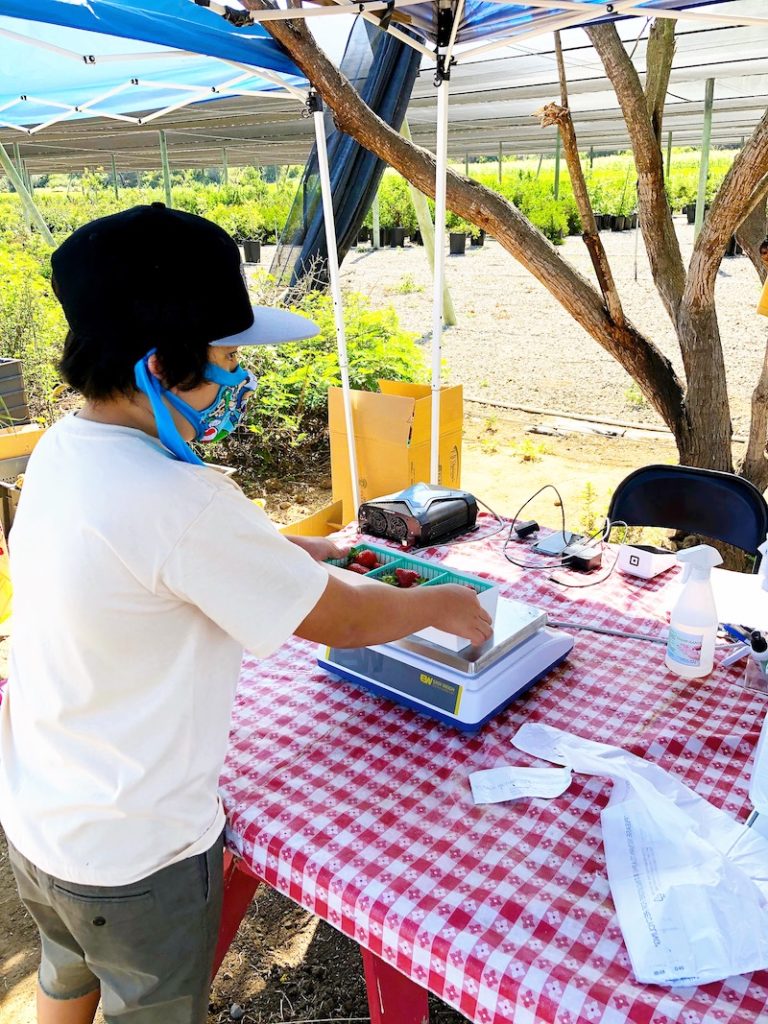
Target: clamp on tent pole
314,109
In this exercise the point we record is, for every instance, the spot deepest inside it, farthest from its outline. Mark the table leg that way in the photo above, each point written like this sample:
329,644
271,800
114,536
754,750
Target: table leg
392,997
239,886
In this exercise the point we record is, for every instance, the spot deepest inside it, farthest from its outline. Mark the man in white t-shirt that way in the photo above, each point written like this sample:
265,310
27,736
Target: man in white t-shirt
140,574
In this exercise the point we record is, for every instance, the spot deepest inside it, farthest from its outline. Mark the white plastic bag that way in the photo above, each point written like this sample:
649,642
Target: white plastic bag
690,885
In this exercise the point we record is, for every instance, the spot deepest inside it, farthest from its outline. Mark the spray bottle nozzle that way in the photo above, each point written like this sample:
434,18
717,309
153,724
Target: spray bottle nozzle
699,561
757,642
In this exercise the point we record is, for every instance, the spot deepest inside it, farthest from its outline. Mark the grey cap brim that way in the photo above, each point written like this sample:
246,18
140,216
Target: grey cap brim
272,326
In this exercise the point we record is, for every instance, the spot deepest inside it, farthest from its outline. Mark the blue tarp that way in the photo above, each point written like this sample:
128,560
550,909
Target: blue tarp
97,29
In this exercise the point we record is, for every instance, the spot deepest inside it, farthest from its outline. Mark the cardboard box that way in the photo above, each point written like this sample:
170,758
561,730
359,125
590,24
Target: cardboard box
393,430
320,524
18,441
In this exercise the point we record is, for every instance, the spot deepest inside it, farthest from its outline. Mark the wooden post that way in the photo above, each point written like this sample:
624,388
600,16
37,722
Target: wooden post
557,166
538,169
501,160
166,169
706,135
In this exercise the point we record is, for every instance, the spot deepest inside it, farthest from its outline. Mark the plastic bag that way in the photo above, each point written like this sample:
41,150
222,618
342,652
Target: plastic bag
690,885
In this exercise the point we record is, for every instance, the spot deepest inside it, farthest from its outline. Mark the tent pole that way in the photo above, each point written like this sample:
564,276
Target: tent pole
466,165
224,167
315,105
166,169
27,202
557,165
427,229
591,157
706,135
538,169
501,158
114,177
441,154
376,236
20,170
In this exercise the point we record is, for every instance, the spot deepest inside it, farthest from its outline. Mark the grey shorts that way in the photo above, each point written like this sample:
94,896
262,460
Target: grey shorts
148,946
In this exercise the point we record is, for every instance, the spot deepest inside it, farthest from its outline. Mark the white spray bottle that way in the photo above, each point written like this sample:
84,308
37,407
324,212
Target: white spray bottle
693,621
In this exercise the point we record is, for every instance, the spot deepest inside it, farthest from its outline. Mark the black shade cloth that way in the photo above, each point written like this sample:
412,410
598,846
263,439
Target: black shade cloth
383,70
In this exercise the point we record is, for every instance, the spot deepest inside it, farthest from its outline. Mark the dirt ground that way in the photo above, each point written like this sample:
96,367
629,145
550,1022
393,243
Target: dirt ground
285,964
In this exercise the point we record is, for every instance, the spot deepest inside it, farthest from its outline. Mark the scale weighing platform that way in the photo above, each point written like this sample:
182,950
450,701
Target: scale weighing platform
463,688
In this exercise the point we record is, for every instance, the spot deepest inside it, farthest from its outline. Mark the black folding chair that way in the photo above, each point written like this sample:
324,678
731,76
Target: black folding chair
702,501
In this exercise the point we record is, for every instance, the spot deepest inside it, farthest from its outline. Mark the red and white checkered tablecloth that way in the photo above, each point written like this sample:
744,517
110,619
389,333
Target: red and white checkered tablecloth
361,811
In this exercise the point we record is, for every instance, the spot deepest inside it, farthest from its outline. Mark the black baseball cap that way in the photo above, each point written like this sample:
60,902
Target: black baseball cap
163,273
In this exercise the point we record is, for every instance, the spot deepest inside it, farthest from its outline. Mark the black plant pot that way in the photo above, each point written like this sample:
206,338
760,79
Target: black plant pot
384,236
252,250
733,248
478,239
416,238
458,243
397,238
364,236
599,221
633,221
690,212
617,222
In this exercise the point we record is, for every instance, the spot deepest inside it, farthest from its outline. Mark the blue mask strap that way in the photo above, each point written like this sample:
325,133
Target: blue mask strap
167,430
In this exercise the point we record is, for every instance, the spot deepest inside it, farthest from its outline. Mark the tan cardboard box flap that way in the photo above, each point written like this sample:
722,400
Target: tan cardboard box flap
376,420
392,432
319,524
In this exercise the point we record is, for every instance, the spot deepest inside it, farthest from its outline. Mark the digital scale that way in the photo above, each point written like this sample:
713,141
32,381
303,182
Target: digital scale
463,688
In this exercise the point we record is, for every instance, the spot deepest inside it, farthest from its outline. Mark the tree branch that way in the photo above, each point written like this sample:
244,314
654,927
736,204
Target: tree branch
752,230
658,64
655,215
591,236
754,464
735,198
474,202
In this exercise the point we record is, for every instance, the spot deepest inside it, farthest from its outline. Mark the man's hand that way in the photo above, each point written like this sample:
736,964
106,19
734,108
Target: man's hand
320,548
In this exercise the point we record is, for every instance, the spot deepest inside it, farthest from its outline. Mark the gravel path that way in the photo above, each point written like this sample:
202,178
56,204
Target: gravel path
516,345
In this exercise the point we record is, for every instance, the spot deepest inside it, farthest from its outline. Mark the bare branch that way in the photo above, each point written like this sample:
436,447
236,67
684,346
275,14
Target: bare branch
658,64
655,215
591,236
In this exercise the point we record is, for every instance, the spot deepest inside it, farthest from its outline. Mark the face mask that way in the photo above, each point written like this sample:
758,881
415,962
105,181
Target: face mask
213,423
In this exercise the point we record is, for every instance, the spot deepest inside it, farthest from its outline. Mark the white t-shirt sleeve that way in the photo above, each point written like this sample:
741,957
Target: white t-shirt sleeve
248,578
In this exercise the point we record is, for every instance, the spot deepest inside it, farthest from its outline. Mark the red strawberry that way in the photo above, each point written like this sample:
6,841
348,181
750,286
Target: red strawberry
406,577
356,567
368,559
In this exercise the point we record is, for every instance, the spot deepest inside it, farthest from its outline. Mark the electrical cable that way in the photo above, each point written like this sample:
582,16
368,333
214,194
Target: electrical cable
534,565
482,536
